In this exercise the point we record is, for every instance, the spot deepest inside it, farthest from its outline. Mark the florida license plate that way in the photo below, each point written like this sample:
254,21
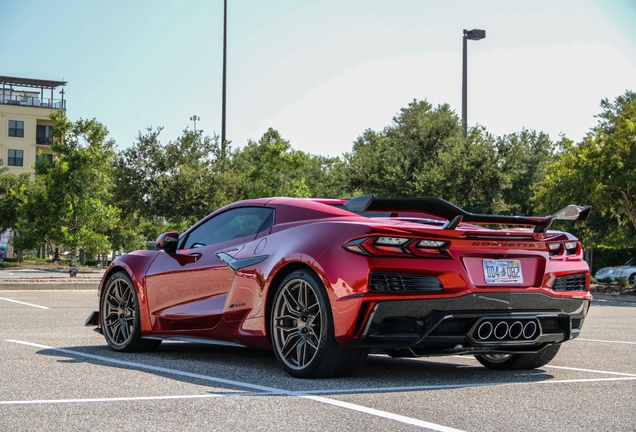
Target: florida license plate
503,272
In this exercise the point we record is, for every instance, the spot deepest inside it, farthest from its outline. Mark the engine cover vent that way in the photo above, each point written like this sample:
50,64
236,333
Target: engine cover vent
390,282
569,283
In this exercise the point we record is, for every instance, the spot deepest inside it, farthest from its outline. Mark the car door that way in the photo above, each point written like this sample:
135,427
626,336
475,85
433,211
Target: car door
187,289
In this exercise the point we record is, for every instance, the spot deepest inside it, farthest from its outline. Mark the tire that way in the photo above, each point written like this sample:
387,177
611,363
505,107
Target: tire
632,278
119,316
302,331
519,361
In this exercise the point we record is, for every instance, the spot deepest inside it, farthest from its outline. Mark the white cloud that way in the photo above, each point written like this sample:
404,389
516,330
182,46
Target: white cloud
556,89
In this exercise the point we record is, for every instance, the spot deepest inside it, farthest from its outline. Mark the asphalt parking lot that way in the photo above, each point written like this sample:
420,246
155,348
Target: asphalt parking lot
56,374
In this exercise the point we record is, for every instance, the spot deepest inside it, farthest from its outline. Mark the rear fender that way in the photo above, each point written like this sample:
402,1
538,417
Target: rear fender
307,247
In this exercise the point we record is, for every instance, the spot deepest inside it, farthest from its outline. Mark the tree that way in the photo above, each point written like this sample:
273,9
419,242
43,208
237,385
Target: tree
325,177
613,146
422,153
270,167
163,187
600,170
402,160
68,204
525,156
12,188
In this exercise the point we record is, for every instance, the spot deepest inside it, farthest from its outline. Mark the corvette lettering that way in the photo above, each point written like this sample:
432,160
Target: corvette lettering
505,244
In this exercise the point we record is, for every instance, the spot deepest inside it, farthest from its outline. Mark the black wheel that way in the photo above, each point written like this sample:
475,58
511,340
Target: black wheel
632,278
302,331
119,316
519,361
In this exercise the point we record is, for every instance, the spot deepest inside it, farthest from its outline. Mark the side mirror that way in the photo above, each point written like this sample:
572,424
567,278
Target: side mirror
168,241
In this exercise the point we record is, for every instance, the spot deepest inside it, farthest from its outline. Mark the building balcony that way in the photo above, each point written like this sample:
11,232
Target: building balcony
44,141
33,102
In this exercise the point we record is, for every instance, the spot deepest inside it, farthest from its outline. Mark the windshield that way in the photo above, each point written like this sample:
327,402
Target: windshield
631,262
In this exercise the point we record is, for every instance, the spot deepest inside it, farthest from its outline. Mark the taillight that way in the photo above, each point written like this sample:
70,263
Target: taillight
571,247
355,246
568,249
391,244
554,248
397,246
431,246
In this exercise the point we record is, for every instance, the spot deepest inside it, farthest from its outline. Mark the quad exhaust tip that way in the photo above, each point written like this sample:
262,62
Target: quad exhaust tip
502,330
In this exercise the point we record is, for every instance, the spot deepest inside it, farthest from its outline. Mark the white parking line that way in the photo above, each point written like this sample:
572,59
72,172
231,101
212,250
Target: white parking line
314,394
27,304
607,341
590,370
122,399
575,369
157,368
269,390
465,385
384,414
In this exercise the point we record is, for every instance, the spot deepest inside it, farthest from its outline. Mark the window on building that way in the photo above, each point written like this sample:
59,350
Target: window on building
16,158
16,128
44,156
44,135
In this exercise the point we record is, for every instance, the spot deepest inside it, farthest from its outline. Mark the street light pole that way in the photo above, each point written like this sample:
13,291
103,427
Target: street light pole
224,72
472,35
194,119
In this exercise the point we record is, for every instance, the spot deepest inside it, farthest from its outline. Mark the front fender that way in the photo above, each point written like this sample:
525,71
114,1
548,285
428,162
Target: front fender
135,264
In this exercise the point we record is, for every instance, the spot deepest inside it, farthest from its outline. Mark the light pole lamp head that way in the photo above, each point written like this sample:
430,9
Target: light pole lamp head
474,34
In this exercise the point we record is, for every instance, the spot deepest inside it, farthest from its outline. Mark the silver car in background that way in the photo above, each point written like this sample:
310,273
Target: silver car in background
628,270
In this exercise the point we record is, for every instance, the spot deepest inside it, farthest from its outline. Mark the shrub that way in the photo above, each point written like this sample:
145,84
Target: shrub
622,282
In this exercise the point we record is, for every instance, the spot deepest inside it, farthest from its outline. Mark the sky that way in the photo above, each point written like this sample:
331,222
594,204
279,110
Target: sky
322,72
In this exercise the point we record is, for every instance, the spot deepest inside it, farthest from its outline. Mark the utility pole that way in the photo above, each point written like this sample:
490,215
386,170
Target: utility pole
194,119
224,72
472,35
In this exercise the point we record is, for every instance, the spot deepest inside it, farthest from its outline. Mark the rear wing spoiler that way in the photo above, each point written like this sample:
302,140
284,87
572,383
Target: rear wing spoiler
455,215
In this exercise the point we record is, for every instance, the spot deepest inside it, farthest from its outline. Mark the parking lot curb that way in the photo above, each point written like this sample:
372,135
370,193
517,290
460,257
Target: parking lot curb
601,297
49,286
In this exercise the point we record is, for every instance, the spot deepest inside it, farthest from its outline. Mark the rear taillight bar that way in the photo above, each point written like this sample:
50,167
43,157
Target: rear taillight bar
398,247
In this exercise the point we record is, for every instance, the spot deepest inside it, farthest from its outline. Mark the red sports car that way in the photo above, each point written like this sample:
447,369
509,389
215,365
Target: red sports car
324,281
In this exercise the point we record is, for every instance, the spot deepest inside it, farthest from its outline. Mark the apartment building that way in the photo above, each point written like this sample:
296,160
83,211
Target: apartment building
25,129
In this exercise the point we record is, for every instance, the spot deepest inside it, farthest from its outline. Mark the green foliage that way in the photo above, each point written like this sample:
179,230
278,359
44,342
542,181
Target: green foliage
326,177
609,256
423,153
167,187
525,156
601,171
36,219
177,181
67,204
91,198
12,189
403,159
622,282
270,167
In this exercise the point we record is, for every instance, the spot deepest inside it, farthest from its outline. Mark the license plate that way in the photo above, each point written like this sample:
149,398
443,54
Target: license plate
503,272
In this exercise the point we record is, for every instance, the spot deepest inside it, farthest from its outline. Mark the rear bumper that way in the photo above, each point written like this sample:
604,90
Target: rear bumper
512,322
